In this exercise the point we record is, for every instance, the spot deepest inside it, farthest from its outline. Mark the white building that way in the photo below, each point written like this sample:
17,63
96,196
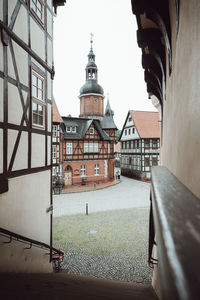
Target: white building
140,144
26,73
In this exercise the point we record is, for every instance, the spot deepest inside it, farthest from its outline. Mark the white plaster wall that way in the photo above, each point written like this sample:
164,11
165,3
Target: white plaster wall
49,86
48,117
11,6
1,9
12,136
132,135
21,24
1,150
49,22
49,52
49,2
38,65
11,71
37,34
23,210
38,150
1,49
49,151
1,100
181,122
15,110
21,159
21,57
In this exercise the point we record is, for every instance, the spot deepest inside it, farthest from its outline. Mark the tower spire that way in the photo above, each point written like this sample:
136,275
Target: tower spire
91,40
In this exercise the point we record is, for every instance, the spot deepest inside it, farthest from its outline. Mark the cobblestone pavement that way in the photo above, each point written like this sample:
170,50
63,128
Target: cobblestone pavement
110,244
128,193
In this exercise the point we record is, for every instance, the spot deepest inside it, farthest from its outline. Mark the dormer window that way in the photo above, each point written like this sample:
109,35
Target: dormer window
74,129
71,129
91,130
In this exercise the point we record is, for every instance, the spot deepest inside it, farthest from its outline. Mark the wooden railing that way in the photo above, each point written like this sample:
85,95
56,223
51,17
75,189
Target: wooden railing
175,224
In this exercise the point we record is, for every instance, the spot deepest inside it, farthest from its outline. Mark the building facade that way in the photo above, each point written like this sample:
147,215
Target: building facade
168,35
26,73
89,141
140,144
57,138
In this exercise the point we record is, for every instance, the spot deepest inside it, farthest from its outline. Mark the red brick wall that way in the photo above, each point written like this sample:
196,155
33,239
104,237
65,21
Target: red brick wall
89,107
90,177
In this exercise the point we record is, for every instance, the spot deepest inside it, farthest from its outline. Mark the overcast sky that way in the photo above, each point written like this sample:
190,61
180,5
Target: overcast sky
118,57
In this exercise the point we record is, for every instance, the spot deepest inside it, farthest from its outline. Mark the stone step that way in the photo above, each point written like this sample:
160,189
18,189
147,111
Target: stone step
64,286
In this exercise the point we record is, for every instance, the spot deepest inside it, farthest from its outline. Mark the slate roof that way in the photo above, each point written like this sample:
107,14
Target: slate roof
82,127
147,123
56,115
108,121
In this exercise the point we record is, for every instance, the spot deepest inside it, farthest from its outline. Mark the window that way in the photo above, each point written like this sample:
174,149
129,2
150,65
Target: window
129,160
129,119
96,169
91,130
71,129
54,130
37,7
85,147
154,161
146,162
133,130
109,148
74,129
38,99
154,144
125,131
96,147
129,131
69,148
147,144
54,152
129,144
137,144
91,147
83,170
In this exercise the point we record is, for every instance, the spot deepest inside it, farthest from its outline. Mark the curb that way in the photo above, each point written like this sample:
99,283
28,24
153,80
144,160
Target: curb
88,190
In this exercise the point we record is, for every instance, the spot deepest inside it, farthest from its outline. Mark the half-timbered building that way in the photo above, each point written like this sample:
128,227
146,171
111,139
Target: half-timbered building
140,144
26,73
89,141
57,135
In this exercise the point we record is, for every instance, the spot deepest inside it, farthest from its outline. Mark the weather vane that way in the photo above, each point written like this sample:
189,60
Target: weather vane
91,41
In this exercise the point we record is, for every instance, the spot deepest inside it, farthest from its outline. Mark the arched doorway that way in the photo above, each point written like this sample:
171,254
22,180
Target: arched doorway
68,175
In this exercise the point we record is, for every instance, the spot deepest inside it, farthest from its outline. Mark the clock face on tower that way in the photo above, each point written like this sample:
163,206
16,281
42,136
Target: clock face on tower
96,100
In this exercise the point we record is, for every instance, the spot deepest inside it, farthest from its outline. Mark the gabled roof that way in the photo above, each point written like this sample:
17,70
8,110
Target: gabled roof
56,115
107,121
146,123
82,125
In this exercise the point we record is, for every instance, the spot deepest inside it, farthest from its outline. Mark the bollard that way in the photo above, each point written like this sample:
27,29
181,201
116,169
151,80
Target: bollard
86,209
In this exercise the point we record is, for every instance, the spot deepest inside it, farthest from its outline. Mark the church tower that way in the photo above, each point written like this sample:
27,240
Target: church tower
91,93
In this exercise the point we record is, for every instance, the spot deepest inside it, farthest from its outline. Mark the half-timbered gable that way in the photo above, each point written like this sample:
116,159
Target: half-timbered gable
140,143
26,73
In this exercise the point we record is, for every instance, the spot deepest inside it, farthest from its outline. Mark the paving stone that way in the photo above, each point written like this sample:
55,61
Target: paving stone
110,244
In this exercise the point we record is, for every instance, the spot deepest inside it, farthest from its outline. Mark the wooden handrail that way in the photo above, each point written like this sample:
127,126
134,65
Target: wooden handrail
176,220
20,238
